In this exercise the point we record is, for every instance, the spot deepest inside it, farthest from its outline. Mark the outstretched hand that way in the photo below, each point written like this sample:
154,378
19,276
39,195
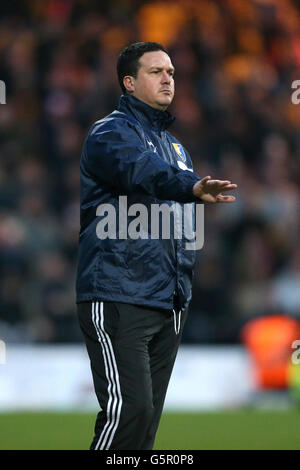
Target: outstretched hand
211,190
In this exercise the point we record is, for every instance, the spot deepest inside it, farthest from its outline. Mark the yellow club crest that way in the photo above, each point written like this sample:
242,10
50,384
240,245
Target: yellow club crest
179,151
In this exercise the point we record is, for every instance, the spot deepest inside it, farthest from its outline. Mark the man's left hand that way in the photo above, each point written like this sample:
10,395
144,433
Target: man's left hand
211,190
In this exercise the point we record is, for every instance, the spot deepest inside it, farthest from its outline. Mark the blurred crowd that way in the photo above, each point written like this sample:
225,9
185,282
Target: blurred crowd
235,63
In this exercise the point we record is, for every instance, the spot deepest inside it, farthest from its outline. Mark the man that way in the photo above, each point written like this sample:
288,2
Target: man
133,292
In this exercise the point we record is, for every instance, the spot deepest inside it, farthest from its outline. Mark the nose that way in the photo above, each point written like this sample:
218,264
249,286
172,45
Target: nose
166,78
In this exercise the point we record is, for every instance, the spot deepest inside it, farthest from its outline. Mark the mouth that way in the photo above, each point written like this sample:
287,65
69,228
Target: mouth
166,91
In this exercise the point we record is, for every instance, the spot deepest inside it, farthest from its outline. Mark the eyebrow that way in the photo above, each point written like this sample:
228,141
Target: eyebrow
161,68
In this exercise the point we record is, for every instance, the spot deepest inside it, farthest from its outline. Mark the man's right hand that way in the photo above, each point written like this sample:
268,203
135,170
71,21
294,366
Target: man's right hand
209,190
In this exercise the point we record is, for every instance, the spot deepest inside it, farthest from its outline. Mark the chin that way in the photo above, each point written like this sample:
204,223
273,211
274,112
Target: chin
165,102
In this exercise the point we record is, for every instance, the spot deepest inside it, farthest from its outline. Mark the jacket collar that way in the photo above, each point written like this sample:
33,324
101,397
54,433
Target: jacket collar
145,113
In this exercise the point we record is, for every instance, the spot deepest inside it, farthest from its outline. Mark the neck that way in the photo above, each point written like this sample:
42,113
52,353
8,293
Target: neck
160,107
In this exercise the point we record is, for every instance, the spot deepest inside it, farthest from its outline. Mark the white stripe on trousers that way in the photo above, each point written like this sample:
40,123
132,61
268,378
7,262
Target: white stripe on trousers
177,329
114,391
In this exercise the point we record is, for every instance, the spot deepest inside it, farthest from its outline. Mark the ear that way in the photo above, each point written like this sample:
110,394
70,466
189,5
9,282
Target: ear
128,82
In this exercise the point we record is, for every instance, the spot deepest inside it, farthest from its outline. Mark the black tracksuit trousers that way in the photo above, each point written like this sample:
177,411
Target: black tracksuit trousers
132,350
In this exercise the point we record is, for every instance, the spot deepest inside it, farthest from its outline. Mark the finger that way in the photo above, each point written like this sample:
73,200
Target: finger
229,187
205,179
219,183
221,198
228,184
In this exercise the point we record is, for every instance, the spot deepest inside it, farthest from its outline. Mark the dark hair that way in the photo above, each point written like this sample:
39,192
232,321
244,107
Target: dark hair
128,61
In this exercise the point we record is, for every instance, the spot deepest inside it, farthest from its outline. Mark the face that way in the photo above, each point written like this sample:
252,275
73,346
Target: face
154,83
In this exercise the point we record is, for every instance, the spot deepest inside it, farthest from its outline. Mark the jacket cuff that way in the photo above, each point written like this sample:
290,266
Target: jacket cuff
186,189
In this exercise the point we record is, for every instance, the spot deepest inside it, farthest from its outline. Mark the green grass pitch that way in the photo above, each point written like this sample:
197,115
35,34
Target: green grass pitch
244,429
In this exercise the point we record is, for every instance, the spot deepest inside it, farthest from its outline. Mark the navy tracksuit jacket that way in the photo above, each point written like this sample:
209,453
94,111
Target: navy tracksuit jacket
131,153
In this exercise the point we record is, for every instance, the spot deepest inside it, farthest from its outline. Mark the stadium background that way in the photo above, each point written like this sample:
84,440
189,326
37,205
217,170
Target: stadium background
235,63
